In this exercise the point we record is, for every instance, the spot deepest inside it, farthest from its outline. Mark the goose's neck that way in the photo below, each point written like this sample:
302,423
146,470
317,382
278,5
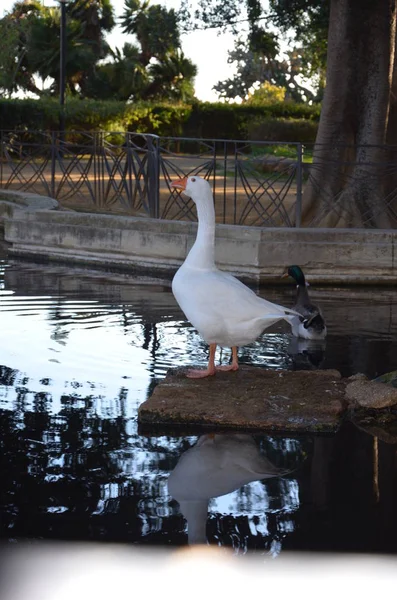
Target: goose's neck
195,513
202,253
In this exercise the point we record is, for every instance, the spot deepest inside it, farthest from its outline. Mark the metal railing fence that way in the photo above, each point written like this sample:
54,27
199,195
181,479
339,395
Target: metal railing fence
266,184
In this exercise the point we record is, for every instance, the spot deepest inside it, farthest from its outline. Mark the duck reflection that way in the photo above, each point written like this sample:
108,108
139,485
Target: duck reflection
307,354
217,465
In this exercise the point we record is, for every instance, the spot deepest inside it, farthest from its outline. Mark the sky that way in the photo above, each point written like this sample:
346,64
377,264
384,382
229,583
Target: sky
206,49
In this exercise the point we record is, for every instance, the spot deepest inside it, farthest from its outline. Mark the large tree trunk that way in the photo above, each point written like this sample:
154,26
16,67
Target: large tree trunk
391,140
344,187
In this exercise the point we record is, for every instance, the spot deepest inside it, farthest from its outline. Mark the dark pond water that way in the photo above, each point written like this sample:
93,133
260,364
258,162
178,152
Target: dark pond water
80,350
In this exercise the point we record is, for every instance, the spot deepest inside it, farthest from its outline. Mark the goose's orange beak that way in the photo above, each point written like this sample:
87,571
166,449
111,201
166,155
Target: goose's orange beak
179,183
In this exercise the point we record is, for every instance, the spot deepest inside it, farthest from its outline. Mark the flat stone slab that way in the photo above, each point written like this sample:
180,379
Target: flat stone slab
252,398
29,200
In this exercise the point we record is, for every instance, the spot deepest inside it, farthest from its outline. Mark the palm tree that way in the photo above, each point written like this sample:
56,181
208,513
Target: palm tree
170,74
124,78
33,32
43,50
172,77
97,18
155,27
14,57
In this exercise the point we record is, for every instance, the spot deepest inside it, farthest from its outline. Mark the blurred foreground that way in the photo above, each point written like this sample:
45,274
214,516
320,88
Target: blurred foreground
79,571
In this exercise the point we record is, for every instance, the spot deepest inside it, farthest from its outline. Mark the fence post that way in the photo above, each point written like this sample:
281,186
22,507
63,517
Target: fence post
100,144
128,171
153,175
53,158
2,156
299,179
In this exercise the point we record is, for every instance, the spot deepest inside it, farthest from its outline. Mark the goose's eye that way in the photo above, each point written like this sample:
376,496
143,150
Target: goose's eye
193,179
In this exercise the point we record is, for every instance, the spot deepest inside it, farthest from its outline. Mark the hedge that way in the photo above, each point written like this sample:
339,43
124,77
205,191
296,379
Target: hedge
201,119
283,130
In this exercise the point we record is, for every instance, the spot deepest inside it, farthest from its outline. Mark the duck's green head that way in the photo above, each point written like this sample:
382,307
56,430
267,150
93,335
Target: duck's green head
296,273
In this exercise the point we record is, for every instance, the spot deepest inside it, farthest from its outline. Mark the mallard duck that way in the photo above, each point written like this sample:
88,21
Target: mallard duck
218,464
312,325
223,310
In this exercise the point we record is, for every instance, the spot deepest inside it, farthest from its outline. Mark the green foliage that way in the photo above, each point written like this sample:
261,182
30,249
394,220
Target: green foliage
168,74
15,57
43,50
234,121
155,27
160,119
216,120
267,93
124,78
97,18
152,68
309,22
216,13
9,39
92,115
35,44
281,129
172,78
262,65
303,23
29,114
283,120
305,17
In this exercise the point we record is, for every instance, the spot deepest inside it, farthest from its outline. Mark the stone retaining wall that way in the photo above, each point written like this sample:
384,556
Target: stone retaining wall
334,256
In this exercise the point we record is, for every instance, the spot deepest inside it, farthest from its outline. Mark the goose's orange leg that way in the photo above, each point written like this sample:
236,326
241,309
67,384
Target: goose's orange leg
210,370
234,365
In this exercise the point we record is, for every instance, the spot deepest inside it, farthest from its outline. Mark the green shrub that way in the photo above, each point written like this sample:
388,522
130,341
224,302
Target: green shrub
44,114
279,120
29,114
235,121
160,119
281,129
267,93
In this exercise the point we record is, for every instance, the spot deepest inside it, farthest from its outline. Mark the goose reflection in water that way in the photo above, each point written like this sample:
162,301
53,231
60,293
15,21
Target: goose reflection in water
217,465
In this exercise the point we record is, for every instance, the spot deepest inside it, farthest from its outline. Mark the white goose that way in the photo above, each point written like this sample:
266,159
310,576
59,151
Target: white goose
223,310
217,465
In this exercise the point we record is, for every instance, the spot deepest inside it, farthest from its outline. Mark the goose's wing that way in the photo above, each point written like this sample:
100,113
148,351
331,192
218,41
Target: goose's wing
242,457
224,290
223,309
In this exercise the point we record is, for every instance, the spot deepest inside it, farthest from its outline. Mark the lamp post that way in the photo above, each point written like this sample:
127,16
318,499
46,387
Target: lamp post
62,67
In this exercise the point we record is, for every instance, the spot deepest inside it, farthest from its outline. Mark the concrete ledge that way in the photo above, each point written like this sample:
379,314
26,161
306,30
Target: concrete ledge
28,200
136,244
14,202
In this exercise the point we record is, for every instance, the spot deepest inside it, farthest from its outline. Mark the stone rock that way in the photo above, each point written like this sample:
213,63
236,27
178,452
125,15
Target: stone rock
389,378
251,399
358,377
370,394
